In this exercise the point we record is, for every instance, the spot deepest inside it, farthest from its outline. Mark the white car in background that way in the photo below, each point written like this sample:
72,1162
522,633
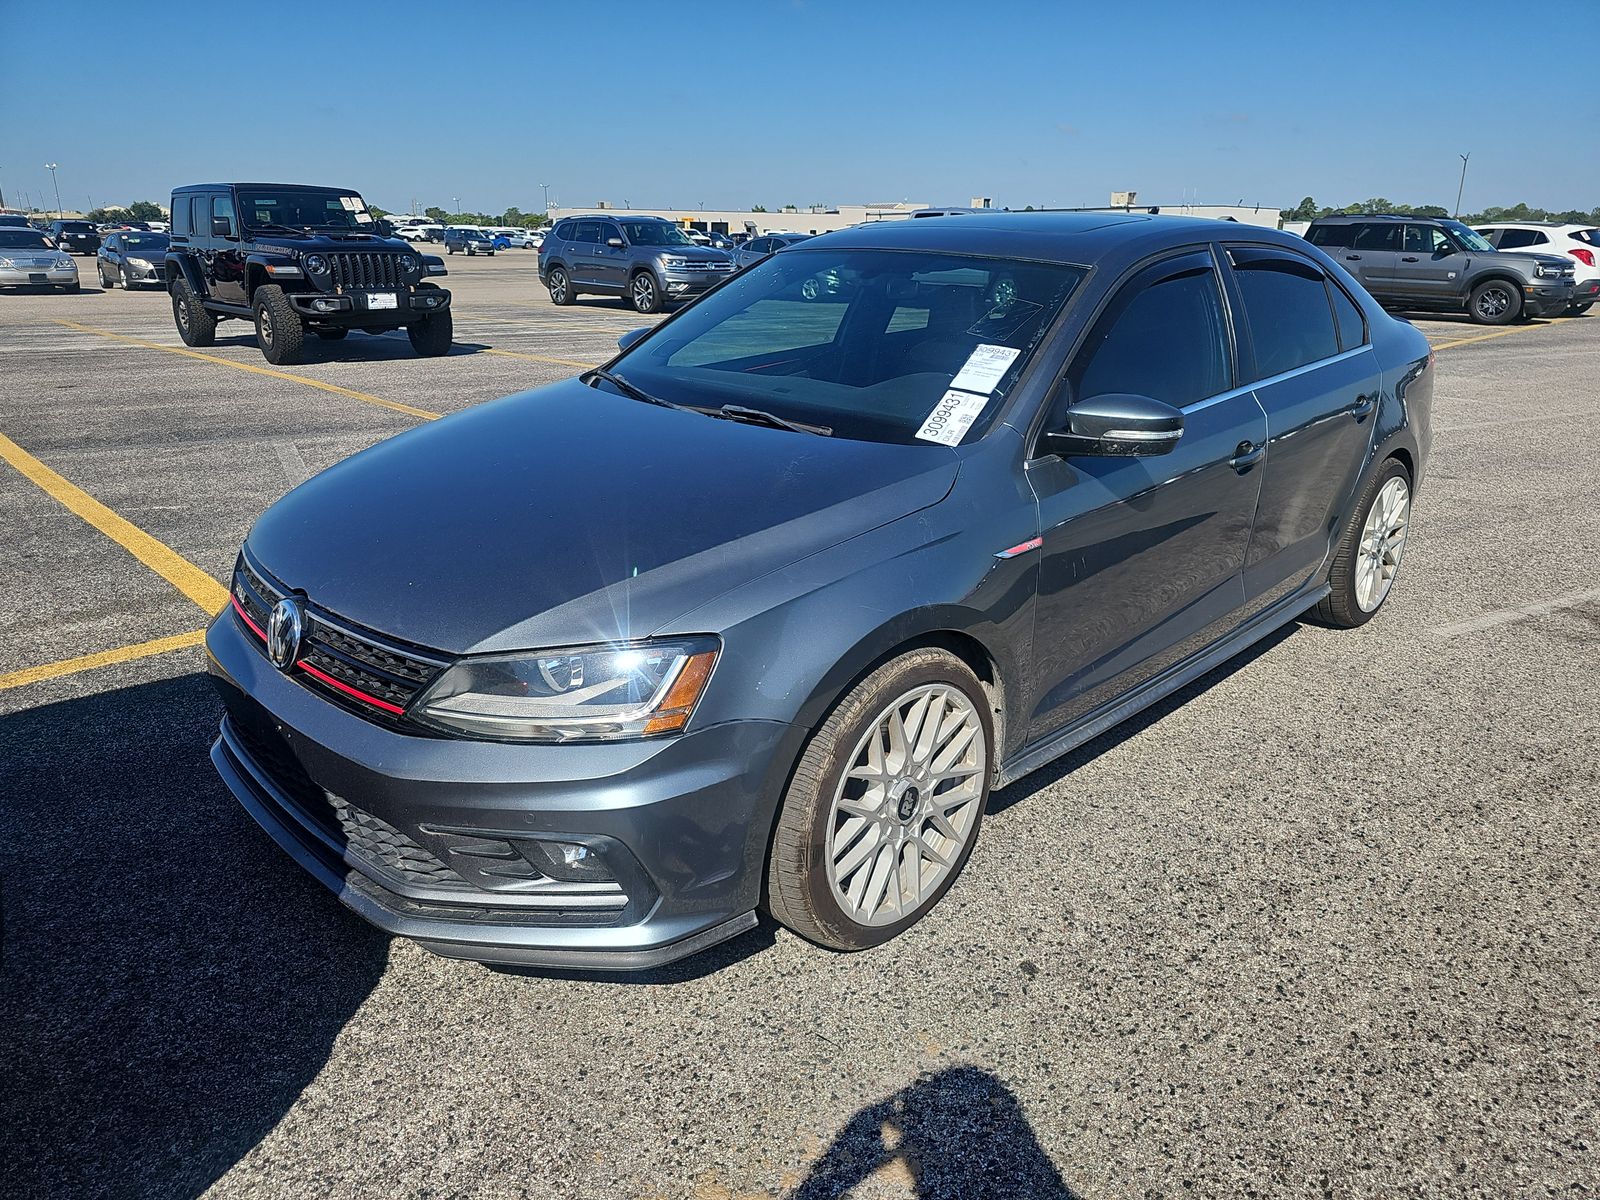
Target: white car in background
1581,243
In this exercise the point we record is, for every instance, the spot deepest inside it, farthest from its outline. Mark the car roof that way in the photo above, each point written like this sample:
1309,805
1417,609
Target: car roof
1329,220
1532,225
304,187
1048,237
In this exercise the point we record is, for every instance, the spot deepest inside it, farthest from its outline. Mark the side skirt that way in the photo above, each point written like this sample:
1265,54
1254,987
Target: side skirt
1092,725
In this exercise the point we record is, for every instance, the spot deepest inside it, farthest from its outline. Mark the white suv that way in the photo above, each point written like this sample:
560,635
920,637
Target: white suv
1580,242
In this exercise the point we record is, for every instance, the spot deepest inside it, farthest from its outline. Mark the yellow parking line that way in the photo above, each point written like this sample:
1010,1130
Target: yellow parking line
160,558
565,362
255,370
1484,337
88,662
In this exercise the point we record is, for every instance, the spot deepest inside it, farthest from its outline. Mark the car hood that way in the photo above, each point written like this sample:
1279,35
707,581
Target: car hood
276,241
1529,257
571,515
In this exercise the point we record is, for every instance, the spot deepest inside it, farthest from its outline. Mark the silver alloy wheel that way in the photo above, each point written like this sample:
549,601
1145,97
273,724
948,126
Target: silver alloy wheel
264,324
1383,540
644,292
907,806
180,306
1494,301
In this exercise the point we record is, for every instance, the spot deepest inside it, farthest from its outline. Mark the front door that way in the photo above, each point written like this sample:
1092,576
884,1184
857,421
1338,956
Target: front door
1435,268
611,262
1142,559
587,268
227,251
1318,381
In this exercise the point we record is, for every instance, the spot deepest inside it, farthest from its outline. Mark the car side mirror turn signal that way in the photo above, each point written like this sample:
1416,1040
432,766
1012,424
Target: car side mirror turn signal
1117,424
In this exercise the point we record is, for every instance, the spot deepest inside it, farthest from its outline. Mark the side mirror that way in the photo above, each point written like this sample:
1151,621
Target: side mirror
632,336
1117,424
615,243
221,227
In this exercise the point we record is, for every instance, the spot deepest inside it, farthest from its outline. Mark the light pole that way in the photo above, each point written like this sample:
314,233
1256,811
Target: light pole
1463,185
2,197
51,167
546,188
456,202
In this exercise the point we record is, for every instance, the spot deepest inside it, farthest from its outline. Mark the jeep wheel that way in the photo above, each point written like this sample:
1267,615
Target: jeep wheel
279,331
561,292
432,336
330,335
644,293
196,326
1496,302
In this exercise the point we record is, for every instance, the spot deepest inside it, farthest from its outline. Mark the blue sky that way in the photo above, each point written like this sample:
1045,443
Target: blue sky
804,101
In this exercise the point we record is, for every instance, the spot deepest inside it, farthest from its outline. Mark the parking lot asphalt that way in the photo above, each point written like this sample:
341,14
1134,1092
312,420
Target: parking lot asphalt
1321,924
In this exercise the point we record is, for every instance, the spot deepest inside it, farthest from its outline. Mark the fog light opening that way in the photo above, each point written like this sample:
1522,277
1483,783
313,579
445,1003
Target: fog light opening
570,862
325,305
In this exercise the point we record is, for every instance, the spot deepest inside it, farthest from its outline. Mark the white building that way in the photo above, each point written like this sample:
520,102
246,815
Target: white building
816,219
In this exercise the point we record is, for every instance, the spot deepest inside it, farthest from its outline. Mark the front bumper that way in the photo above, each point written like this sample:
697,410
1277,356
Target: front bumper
682,823
355,308
679,282
37,276
1544,299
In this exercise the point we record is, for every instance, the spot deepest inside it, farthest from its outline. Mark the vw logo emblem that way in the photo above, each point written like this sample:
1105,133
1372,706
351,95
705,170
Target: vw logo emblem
285,627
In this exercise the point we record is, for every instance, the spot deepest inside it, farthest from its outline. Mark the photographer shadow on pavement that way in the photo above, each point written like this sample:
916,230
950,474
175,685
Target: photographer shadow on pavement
956,1135
169,981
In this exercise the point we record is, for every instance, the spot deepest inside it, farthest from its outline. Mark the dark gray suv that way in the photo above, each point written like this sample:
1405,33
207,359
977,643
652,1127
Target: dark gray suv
1437,264
755,616
648,261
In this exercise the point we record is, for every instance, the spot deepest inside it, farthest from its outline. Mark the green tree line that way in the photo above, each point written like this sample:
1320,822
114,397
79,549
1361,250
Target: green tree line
1308,210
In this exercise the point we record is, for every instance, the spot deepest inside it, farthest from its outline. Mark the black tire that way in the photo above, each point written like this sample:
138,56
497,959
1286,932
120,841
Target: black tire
280,332
561,293
799,894
105,283
331,335
195,325
1495,302
1340,608
432,336
644,293
1577,310
449,249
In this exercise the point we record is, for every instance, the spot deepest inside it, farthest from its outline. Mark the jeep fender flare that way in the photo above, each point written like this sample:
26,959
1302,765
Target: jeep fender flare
256,272
183,264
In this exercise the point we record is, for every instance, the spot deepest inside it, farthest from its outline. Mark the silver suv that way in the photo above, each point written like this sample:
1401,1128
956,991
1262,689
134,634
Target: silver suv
645,260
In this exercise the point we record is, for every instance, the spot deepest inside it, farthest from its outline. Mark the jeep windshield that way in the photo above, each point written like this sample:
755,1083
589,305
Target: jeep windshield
654,233
303,209
864,342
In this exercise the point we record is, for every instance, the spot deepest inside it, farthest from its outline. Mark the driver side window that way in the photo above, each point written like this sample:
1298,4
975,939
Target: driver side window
222,210
1427,239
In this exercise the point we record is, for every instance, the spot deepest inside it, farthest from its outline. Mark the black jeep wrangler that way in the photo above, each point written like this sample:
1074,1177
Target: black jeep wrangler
293,258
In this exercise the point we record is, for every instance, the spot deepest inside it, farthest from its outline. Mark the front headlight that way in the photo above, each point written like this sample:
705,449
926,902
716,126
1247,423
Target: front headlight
674,263
316,264
6,262
64,262
577,694
142,263
408,263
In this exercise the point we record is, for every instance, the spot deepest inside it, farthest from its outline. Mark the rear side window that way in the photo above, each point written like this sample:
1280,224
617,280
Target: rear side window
1286,304
1377,236
180,214
1168,342
1348,316
1330,235
562,231
1515,239
200,214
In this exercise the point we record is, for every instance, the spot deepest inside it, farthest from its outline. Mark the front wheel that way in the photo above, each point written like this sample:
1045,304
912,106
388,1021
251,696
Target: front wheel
280,332
1368,557
884,807
127,280
1495,302
644,293
432,336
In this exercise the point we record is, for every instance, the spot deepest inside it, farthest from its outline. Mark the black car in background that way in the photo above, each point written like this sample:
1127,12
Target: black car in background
1423,263
133,258
75,237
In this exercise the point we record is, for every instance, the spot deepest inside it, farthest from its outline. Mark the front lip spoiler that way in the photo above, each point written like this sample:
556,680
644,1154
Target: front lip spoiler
486,943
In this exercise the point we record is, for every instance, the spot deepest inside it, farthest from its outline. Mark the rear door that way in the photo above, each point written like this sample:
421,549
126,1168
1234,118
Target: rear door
585,251
1142,558
1434,267
1306,352
1373,257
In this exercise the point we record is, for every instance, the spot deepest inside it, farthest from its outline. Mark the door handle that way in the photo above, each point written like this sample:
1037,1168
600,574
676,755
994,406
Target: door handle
1409,258
1363,406
1246,455
1352,257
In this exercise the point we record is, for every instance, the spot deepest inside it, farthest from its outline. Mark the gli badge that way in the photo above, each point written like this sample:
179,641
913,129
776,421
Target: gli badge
286,625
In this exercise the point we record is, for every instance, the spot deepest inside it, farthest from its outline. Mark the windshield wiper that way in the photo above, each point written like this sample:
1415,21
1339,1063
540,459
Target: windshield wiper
302,230
633,392
757,416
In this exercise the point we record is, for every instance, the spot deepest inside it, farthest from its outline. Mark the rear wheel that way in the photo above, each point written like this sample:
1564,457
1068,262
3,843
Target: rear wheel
560,286
1495,302
1368,557
196,326
644,294
884,807
279,330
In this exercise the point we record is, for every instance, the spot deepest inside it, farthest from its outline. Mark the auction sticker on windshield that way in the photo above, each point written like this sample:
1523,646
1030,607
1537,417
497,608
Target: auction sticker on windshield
984,369
950,419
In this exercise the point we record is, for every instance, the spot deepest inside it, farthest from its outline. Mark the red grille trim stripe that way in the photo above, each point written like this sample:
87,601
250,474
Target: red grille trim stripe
245,617
346,688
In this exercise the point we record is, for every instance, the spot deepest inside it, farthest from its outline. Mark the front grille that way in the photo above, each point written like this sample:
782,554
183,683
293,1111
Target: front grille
362,272
371,839
376,666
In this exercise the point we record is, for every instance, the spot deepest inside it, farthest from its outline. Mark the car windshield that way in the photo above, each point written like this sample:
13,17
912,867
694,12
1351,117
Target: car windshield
654,233
1467,236
23,239
322,210
145,241
865,342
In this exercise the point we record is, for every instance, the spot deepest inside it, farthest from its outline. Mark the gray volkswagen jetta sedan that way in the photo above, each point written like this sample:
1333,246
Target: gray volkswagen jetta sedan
754,617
